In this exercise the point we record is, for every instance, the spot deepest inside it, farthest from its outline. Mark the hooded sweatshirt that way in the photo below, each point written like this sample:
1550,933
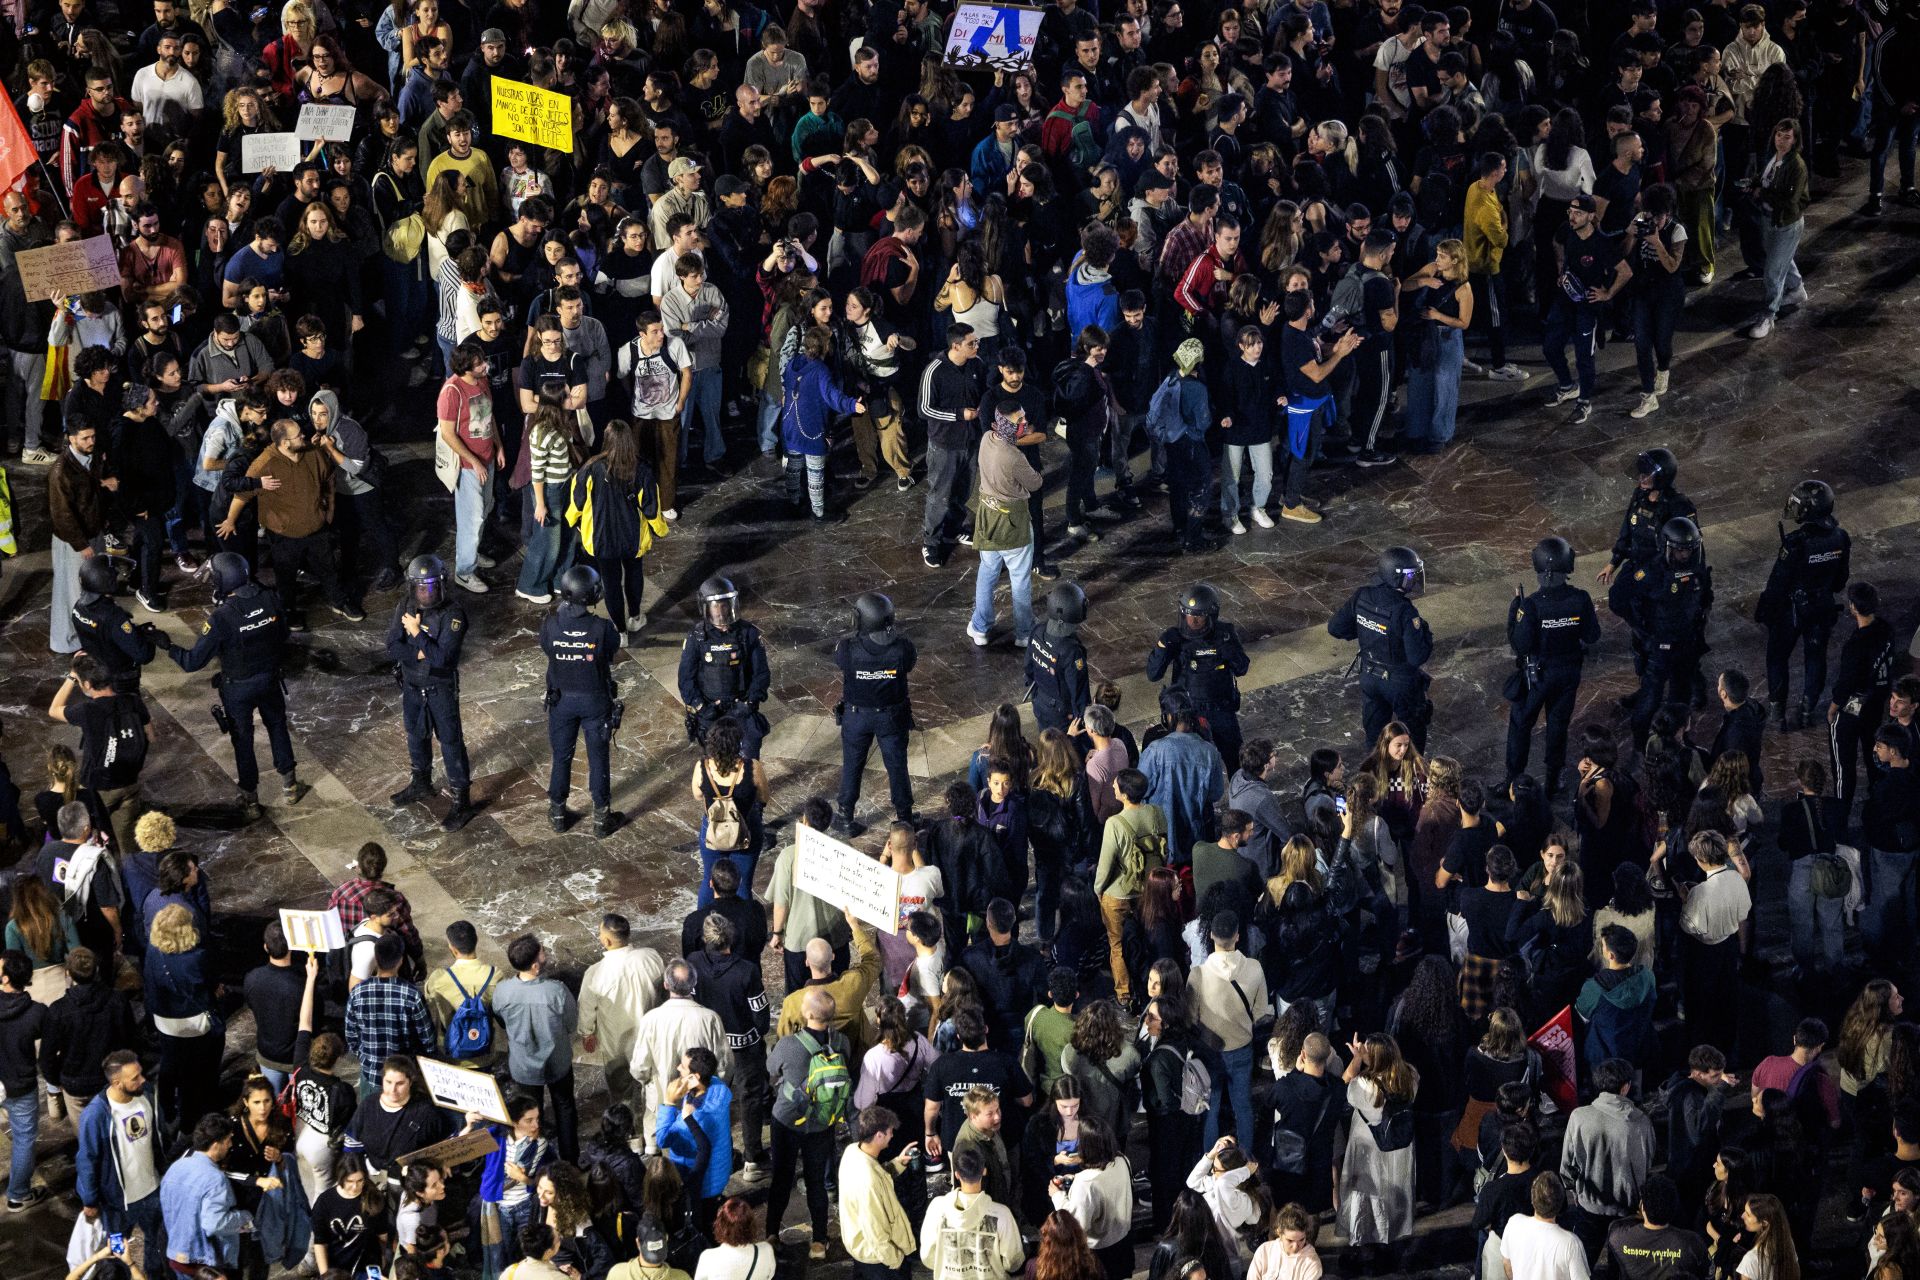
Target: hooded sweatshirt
351,439
22,1022
82,1028
809,398
1618,1003
1091,297
1606,1155
222,441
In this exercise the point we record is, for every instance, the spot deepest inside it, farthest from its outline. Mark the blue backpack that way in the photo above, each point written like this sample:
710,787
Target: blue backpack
470,1029
1164,423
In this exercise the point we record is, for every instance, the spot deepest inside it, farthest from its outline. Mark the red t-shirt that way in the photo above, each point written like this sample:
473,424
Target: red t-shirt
469,407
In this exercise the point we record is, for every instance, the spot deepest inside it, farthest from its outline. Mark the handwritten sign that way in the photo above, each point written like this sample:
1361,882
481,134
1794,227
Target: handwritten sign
454,1151
313,930
999,36
317,120
841,875
74,268
539,116
461,1090
258,150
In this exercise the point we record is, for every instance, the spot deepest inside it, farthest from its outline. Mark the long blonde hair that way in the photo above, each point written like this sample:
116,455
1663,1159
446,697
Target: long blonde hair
1393,1079
1566,896
173,932
1296,865
63,772
1411,771
1059,765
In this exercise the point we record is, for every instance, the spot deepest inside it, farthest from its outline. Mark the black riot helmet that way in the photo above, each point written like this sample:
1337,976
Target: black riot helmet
229,572
873,616
1066,610
427,579
96,578
1402,569
1681,539
1658,468
1553,560
1810,500
1200,607
580,586
719,602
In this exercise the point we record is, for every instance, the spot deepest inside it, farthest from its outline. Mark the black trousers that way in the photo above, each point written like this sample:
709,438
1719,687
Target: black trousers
149,546
1187,478
1708,974
366,546
569,718
813,1152
559,1114
1554,693
434,711
242,698
313,553
859,730
750,1095
1851,738
1812,636
624,578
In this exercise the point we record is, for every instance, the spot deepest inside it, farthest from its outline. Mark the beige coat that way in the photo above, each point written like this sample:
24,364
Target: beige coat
615,993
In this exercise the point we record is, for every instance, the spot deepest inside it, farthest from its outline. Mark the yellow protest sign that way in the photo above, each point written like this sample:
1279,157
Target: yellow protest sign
539,116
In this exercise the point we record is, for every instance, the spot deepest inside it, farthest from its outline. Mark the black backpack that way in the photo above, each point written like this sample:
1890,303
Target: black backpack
1395,1130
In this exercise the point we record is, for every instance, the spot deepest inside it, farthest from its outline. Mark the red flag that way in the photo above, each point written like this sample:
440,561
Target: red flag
1554,1040
16,145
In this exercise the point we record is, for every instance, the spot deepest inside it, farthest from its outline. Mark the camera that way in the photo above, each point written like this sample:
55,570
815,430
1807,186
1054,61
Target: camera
1643,222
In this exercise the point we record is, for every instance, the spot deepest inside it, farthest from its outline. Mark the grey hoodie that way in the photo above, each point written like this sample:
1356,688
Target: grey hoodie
221,442
350,438
1606,1155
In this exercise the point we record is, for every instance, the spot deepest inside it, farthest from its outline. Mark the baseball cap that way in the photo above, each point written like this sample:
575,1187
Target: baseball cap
651,1241
679,168
1586,204
1003,113
493,35
728,185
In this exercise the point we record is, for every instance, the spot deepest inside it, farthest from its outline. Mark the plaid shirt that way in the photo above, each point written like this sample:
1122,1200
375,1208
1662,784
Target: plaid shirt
386,1016
1183,244
350,900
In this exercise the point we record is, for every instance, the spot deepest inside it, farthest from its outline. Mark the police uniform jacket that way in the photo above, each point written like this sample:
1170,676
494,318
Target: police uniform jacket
719,666
873,676
1393,636
108,636
247,631
1669,604
432,658
1812,568
579,646
1554,624
1057,670
1649,509
1204,665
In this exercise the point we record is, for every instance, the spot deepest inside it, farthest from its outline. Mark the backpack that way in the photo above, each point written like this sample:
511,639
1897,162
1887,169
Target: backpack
1347,305
470,1029
404,237
1164,423
1142,853
1395,1130
1196,1083
726,825
1083,149
128,740
827,1089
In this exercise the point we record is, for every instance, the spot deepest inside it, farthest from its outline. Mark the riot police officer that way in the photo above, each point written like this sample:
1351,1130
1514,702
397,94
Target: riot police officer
1206,659
874,664
1801,597
1057,661
1550,632
1395,642
108,634
1667,605
580,645
723,668
247,631
1656,499
423,642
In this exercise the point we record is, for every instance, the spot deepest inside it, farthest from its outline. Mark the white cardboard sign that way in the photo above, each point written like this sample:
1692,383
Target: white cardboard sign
841,875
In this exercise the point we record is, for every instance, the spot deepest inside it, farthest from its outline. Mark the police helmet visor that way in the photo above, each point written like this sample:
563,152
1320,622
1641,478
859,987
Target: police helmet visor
723,610
426,589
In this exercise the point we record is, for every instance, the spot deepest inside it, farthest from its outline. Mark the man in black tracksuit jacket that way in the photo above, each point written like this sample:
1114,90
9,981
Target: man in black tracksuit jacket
731,986
949,402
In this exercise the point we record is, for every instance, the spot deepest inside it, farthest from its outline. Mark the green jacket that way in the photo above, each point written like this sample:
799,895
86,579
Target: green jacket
1785,198
1124,830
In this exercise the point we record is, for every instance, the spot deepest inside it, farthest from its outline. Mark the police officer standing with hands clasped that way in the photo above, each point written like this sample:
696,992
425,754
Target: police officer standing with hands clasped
1395,642
247,631
108,634
1057,661
1800,601
1550,632
723,668
423,641
580,645
874,664
1206,659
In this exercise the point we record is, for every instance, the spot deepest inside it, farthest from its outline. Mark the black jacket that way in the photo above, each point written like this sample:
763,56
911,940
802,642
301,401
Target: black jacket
749,920
1012,980
82,1027
21,1023
731,986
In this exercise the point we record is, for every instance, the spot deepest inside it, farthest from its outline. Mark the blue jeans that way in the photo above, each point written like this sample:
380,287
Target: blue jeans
278,1079
1885,127
1233,457
769,424
146,1215
1819,941
549,547
1433,388
703,400
1019,566
1887,920
472,499
1571,322
23,1113
1238,1086
745,860
1783,274
409,300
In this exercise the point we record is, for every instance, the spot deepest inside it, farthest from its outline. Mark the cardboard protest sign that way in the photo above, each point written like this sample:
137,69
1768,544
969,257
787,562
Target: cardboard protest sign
842,876
314,931
258,150
539,116
454,1151
318,120
73,268
996,36
461,1090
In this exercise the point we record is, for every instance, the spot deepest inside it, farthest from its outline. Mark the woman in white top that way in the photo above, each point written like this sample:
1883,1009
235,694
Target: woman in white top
1772,1256
1376,1187
1562,169
1100,1198
975,297
738,1252
1225,1179
1290,1255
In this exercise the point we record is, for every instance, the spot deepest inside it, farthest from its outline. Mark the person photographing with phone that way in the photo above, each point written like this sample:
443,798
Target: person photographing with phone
874,1226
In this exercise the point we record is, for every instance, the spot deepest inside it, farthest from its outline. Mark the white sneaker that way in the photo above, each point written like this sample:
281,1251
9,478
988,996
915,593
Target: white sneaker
1798,298
39,458
978,637
1471,370
470,582
481,561
1508,373
1237,527
1261,518
1762,327
1019,642
1562,395
1648,403
1660,381
671,513
543,597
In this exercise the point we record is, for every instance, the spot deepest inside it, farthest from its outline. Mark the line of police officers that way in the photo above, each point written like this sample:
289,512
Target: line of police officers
1658,578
